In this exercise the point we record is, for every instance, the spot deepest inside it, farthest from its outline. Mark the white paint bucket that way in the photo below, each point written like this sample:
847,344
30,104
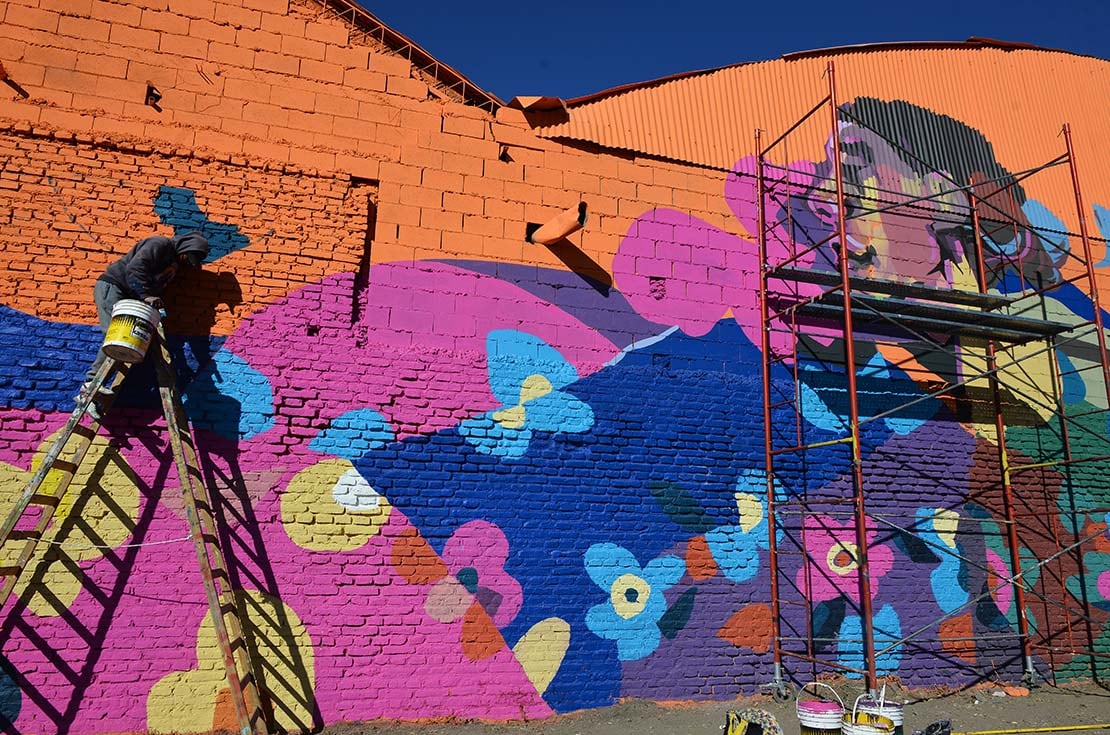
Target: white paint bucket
883,707
859,722
130,331
817,716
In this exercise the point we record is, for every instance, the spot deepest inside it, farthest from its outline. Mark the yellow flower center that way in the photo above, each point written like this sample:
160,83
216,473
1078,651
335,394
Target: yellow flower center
629,595
533,387
750,510
843,557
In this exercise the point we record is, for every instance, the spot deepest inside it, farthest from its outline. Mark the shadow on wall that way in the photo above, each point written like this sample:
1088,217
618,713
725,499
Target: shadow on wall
114,507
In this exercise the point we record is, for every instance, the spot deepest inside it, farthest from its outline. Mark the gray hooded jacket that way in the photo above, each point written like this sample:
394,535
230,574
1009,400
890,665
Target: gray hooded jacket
150,266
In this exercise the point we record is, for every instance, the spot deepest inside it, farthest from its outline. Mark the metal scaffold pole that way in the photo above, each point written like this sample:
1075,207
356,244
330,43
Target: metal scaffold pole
867,623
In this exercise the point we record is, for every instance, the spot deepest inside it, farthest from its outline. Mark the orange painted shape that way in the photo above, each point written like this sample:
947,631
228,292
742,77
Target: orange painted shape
480,637
223,718
749,628
950,633
415,560
699,562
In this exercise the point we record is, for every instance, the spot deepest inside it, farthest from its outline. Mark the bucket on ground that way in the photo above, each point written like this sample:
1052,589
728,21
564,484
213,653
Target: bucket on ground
858,722
130,331
820,716
883,707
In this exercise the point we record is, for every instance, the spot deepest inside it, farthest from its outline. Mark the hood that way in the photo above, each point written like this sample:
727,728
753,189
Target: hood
191,242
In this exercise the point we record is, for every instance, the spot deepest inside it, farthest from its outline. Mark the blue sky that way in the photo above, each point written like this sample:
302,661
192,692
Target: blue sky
570,48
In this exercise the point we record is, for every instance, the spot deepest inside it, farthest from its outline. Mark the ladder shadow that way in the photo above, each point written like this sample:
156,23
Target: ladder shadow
37,593
286,685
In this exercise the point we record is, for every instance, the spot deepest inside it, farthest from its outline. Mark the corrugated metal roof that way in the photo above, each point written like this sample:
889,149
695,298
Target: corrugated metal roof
709,117
1017,98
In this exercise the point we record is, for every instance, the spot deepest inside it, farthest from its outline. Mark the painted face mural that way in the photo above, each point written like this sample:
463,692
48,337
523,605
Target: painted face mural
554,486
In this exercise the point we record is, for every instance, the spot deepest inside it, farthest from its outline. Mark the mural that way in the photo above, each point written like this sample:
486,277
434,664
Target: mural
523,492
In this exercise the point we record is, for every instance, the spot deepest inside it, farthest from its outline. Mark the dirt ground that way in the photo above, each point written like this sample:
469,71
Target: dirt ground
987,708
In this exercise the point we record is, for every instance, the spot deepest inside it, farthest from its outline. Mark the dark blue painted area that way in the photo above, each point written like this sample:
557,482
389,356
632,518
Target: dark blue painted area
683,411
1076,299
178,208
42,364
11,699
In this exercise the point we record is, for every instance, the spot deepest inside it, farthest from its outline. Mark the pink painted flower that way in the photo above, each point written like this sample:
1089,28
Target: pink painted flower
833,560
475,556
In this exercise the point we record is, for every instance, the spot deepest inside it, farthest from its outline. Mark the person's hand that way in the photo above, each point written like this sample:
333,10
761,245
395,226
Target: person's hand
155,302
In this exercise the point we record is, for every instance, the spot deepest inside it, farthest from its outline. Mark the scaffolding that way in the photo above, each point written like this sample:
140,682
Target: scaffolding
971,332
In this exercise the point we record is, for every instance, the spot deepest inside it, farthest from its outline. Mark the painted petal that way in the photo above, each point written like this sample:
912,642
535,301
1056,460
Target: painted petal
663,572
605,562
447,600
480,637
734,551
541,651
817,412
489,437
478,544
353,434
559,411
639,642
513,356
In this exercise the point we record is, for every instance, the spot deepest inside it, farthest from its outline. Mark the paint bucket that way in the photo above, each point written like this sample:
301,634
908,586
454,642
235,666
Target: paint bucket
884,708
858,722
820,716
130,331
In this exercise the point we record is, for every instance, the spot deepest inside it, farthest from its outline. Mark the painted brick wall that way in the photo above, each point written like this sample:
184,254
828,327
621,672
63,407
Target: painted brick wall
459,475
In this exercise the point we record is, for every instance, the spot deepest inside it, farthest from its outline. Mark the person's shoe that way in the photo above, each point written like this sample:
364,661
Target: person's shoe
94,412
93,408
105,391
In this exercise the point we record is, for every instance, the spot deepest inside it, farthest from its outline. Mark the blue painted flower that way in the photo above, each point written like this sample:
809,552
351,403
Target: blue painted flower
526,375
636,602
736,547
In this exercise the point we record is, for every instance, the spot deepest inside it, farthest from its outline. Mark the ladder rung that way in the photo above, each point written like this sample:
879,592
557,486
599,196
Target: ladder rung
85,432
10,571
48,500
28,534
64,466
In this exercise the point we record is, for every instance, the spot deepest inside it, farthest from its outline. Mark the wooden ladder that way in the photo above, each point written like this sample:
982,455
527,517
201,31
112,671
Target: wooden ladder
26,523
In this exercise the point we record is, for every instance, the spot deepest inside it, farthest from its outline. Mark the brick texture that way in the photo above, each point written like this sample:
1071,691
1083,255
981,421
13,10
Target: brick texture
459,475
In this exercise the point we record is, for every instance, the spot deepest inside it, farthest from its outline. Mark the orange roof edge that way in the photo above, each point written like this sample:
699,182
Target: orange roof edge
451,78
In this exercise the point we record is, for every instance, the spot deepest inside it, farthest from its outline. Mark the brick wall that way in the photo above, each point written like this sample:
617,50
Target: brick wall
459,475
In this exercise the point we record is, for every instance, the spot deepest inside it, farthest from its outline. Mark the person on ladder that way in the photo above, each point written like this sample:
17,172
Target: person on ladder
142,274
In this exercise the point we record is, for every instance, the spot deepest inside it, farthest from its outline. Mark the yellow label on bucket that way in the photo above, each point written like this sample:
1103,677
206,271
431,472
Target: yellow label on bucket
128,338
